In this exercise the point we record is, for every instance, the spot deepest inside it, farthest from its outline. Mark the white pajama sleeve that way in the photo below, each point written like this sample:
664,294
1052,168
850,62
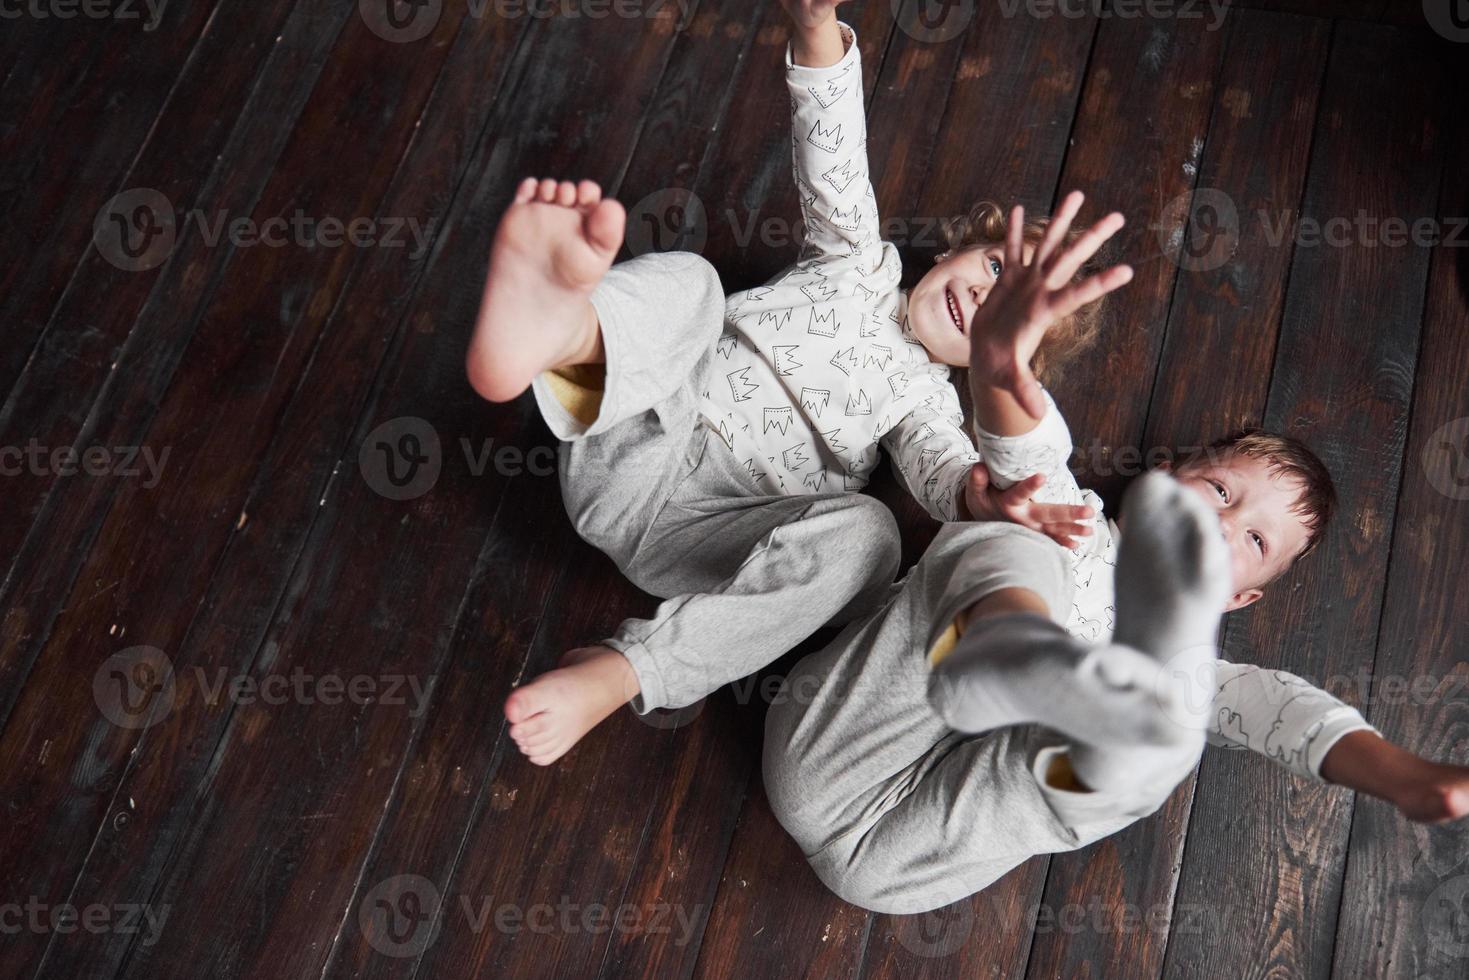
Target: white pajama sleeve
829,157
931,452
1279,715
1044,449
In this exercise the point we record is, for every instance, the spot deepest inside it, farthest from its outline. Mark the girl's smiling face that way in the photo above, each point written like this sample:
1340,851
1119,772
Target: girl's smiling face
941,307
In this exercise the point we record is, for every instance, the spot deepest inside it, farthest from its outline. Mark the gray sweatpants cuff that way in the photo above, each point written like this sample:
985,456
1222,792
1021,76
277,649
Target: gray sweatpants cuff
652,692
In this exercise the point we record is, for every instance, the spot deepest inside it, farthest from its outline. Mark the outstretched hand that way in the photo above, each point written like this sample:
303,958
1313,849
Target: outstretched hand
1030,296
1063,523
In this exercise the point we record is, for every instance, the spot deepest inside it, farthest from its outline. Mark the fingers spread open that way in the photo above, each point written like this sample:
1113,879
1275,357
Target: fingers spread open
1069,259
1060,224
1068,300
1015,239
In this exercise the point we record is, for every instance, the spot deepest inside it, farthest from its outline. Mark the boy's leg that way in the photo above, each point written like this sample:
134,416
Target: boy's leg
895,810
1135,707
900,812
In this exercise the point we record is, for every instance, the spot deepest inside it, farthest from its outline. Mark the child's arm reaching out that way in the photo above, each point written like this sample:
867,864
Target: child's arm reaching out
1018,428
1317,736
829,134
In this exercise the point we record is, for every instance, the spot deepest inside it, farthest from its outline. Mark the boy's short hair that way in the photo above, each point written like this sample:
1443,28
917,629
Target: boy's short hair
986,224
1290,458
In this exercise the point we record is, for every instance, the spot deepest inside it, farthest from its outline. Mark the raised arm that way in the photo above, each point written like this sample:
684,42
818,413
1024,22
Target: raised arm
829,134
1034,291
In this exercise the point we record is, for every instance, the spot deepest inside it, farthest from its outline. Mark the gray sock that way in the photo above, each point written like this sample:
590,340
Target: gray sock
1023,668
1173,579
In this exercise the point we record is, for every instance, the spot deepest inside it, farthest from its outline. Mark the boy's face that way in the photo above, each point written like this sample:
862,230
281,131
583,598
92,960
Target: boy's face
1255,512
941,307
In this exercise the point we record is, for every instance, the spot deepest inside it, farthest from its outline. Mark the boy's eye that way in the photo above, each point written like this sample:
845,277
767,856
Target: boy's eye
1259,541
1219,489
995,267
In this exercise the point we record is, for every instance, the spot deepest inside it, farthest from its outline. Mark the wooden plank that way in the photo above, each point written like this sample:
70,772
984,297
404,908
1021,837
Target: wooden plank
75,158
1272,870
168,310
1147,99
1214,376
221,432
507,799
88,330
434,542
1402,905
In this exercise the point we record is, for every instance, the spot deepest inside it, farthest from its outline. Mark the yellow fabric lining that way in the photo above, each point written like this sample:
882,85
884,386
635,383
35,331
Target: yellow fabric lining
944,645
1060,775
579,390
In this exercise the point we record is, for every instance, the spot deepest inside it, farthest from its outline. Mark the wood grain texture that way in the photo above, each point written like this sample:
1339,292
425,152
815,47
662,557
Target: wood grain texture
1403,910
281,838
1269,868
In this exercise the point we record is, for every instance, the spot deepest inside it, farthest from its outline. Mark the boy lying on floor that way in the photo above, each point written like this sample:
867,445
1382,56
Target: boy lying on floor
988,711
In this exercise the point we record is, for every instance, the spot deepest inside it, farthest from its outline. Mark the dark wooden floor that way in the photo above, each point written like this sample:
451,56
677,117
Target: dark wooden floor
248,694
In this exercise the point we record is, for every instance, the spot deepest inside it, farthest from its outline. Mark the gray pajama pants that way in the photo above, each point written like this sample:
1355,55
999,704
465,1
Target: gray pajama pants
896,811
746,575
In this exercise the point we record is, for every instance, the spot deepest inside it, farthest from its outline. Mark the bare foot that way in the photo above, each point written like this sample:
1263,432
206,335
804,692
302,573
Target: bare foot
553,246
551,713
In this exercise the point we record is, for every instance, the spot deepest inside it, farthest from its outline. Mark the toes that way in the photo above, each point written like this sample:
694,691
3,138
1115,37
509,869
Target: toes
526,190
566,193
547,191
527,730
588,193
605,225
545,757
522,703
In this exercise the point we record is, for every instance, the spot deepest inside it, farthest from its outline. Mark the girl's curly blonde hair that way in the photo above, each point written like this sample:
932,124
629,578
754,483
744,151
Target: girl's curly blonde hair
986,225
